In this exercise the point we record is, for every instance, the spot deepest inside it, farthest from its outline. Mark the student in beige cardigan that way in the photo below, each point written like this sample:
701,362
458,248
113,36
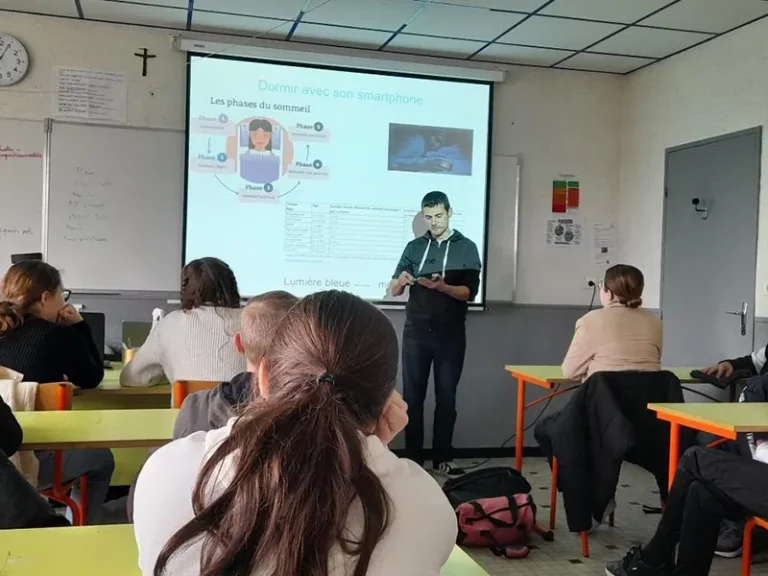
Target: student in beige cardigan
619,337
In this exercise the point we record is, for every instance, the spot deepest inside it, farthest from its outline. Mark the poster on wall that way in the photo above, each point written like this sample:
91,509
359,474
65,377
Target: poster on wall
85,94
604,243
564,231
566,194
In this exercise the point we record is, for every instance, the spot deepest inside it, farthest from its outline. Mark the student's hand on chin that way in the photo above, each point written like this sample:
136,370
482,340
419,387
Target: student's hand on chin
393,419
69,315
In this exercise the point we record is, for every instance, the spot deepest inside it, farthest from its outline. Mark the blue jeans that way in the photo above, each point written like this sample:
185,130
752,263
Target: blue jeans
96,465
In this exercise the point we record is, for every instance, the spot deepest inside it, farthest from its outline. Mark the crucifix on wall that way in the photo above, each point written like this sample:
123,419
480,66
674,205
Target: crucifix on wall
144,55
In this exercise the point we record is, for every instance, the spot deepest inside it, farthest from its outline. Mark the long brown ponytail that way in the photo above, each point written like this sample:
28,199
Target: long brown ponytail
294,463
23,286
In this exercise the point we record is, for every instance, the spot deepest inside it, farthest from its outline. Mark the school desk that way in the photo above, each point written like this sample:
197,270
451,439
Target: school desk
99,550
550,377
726,420
73,429
110,386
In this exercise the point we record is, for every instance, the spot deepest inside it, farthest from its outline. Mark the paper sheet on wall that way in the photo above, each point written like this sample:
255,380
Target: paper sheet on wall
604,243
564,231
85,94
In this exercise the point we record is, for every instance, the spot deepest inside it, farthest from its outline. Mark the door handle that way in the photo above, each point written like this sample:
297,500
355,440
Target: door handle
743,314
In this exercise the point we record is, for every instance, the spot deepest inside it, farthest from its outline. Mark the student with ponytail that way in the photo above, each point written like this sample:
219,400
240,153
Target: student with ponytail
619,337
46,340
302,482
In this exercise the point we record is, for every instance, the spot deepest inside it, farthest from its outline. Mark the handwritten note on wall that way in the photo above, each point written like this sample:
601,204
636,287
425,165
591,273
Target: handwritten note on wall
21,187
85,94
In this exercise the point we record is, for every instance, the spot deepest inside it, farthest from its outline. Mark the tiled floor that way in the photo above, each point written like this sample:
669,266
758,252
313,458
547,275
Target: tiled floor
563,556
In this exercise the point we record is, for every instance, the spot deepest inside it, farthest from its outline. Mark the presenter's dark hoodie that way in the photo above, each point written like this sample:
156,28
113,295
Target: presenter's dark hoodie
457,260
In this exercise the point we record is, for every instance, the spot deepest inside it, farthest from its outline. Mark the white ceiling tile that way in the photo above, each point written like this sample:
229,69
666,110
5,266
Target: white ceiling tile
461,22
605,63
433,46
626,11
709,15
558,33
282,9
522,54
338,36
650,42
378,14
53,7
255,27
134,13
159,3
515,5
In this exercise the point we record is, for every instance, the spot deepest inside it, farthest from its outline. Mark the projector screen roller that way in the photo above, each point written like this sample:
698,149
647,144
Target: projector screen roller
306,179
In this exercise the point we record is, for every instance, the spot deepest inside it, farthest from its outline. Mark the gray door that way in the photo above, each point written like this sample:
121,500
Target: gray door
709,255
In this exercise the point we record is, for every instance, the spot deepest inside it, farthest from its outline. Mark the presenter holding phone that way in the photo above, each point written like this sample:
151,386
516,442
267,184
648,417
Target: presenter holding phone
442,267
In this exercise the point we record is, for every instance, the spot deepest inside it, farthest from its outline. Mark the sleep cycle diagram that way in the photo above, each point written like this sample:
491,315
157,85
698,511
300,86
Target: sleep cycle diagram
256,157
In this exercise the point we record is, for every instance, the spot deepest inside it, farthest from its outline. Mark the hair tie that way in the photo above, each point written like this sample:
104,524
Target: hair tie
326,378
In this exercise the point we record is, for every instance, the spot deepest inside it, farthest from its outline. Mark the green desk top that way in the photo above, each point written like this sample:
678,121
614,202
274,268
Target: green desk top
736,418
72,429
110,386
100,550
554,374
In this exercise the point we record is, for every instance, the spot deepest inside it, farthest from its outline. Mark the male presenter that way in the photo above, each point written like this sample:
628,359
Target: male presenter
442,267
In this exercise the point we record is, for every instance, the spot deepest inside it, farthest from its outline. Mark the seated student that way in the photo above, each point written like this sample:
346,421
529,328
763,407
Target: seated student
46,340
710,485
302,482
193,343
754,363
619,337
20,505
211,409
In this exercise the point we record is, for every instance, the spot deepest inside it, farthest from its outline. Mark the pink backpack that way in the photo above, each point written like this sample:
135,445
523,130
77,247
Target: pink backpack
503,524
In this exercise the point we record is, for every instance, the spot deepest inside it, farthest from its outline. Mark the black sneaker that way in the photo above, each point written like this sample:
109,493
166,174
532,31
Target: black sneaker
448,469
730,539
632,565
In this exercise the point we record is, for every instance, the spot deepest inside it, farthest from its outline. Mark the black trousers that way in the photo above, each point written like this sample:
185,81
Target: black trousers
423,347
709,485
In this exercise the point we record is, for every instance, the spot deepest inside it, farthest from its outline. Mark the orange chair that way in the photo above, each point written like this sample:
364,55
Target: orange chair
553,511
746,554
183,388
58,396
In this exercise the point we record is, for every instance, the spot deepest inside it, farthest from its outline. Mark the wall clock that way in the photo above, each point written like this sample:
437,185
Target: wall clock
14,60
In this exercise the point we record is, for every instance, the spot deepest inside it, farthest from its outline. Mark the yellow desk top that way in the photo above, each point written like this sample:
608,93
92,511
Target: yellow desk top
110,386
733,418
100,550
72,429
554,374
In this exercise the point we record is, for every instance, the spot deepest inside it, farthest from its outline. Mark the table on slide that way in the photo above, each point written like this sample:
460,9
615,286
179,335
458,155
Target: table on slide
726,420
79,429
550,377
100,550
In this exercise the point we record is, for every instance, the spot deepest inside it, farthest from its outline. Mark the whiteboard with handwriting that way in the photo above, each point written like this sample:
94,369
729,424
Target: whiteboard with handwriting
116,204
21,188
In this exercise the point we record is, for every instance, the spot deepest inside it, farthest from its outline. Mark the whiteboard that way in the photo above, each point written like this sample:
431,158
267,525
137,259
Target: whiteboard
502,229
115,207
21,188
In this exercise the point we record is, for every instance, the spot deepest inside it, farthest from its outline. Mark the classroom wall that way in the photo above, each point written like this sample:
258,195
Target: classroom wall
558,122
715,89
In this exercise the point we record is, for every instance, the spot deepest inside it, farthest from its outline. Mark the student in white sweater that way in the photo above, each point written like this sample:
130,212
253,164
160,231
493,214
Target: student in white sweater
302,483
194,343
